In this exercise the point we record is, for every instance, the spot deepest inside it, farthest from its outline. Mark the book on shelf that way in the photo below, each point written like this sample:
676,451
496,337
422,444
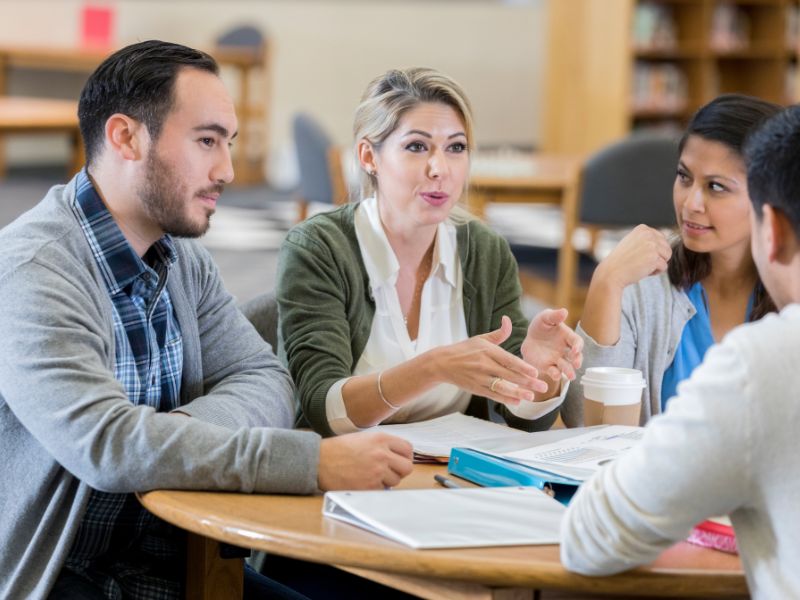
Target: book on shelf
716,533
659,87
654,27
730,28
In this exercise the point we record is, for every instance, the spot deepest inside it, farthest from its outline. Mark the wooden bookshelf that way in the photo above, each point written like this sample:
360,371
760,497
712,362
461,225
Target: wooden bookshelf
619,65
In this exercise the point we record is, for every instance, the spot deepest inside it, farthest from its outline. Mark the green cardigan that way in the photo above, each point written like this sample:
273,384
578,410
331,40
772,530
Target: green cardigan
326,308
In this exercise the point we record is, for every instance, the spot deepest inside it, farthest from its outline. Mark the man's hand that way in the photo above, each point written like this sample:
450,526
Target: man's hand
551,346
363,461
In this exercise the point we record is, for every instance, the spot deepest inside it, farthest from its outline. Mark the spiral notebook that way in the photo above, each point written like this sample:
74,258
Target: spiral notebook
452,518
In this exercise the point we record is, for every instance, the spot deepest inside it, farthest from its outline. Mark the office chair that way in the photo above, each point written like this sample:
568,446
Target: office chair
262,312
321,178
622,185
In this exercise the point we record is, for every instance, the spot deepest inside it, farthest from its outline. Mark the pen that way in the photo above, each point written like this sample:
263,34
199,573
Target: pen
448,483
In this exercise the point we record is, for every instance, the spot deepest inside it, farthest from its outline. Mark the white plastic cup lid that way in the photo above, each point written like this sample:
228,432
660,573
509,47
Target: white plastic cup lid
613,376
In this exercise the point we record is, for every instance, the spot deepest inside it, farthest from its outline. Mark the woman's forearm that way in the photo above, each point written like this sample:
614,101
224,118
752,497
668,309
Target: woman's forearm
368,405
602,312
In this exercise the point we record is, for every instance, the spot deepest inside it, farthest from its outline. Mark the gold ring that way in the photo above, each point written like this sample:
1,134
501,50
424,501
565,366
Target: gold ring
495,381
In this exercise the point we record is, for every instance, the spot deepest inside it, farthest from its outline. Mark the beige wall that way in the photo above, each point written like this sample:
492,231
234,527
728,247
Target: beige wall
327,50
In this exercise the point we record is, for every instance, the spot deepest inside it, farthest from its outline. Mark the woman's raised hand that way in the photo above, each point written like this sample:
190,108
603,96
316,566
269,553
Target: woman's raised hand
552,346
643,252
479,365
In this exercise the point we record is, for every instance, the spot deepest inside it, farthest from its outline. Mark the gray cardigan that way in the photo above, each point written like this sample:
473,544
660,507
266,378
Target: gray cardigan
654,314
66,424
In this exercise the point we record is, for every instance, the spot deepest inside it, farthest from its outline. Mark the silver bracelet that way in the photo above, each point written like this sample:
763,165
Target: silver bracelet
380,393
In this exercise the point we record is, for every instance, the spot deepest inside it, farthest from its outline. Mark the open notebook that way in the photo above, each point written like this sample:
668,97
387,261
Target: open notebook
452,518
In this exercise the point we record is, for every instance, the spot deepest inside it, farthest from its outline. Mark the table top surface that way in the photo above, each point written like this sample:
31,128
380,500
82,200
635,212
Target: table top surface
294,526
26,114
535,171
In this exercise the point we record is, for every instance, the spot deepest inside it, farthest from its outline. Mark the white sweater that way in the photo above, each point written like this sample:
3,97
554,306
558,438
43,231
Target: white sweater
726,445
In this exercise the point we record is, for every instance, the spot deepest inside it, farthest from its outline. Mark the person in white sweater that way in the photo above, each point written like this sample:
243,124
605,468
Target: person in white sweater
726,444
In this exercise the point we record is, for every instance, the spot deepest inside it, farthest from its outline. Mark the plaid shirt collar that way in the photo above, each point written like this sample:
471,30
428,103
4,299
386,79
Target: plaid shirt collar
118,262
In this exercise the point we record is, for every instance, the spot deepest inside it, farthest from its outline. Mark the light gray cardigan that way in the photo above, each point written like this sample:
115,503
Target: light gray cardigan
654,314
66,424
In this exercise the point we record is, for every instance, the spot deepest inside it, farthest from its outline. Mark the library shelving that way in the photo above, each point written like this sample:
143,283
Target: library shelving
614,66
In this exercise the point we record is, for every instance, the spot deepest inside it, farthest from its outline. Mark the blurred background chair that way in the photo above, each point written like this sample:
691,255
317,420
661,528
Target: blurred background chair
246,50
320,165
622,185
262,312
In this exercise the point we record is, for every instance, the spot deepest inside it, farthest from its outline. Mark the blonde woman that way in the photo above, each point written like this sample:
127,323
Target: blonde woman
399,307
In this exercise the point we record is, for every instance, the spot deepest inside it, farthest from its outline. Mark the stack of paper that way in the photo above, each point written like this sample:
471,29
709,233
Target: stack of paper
434,439
556,461
581,455
452,518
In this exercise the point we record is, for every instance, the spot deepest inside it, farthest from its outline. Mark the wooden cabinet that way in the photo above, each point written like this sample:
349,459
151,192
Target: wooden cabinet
618,65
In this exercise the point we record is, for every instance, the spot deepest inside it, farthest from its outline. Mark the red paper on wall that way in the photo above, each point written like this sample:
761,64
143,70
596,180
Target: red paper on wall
96,26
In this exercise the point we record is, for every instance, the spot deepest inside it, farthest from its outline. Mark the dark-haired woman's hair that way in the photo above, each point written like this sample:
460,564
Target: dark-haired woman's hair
729,120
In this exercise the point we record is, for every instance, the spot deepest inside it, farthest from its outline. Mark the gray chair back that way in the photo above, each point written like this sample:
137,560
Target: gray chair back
262,312
312,145
243,37
630,182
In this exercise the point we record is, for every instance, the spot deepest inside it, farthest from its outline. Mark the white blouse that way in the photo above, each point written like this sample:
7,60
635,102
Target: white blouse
441,322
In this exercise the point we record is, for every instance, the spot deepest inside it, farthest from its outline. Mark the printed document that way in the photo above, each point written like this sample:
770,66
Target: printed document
580,456
452,518
437,437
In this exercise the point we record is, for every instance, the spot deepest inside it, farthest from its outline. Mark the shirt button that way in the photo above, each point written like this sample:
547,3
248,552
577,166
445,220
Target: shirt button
153,380
146,276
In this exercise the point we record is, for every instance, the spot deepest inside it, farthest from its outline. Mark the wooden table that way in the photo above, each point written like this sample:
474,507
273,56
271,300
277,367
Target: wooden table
85,60
19,114
549,179
293,526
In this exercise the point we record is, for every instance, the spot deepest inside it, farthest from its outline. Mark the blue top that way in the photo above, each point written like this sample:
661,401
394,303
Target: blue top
696,339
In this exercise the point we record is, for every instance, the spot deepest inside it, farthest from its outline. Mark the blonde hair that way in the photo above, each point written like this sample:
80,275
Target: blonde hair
388,97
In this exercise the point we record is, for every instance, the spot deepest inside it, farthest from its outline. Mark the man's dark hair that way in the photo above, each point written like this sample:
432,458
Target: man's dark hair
772,155
137,81
728,119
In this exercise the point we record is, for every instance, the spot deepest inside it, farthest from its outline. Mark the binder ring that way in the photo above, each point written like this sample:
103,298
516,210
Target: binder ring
495,381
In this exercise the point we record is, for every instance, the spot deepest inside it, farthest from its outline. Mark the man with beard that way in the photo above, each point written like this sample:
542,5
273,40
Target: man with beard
125,365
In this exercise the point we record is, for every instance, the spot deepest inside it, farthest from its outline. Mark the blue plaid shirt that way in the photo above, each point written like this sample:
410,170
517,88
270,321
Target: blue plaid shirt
119,545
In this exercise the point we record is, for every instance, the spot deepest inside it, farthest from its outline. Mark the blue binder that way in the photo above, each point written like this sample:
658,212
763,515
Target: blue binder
494,471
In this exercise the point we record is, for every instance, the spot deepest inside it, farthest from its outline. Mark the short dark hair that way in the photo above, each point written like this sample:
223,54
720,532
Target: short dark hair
772,155
728,119
137,81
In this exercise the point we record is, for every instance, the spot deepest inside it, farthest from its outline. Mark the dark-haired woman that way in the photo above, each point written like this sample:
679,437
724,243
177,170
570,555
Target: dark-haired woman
658,306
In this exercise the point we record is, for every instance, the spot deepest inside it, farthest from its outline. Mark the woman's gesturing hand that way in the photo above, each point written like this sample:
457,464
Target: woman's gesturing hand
552,346
479,365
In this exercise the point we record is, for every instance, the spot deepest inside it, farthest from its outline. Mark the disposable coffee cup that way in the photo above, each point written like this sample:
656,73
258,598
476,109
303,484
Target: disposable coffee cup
612,396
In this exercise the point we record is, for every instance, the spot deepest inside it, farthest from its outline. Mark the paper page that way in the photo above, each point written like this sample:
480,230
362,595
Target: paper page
437,437
452,518
580,456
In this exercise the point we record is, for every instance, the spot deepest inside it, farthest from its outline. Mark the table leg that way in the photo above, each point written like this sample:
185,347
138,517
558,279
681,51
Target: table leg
208,575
